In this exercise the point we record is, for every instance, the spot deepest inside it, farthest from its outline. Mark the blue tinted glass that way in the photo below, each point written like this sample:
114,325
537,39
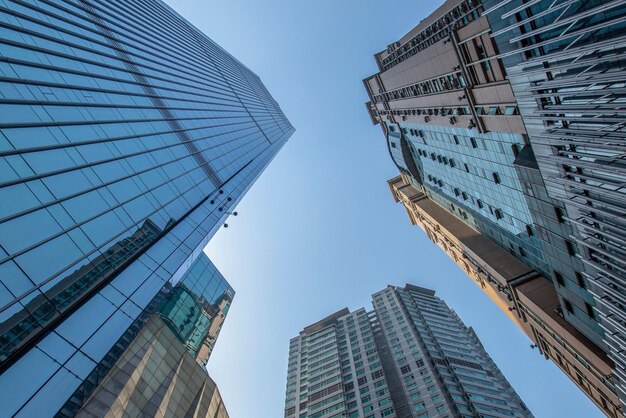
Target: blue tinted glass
110,155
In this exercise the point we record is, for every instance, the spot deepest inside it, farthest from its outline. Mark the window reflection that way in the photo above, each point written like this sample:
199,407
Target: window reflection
193,308
44,308
196,308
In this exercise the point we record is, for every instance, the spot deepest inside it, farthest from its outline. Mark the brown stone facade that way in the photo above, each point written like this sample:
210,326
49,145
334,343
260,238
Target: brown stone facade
525,296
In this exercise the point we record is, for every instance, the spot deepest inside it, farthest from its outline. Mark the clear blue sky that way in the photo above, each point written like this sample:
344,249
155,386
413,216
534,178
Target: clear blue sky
320,231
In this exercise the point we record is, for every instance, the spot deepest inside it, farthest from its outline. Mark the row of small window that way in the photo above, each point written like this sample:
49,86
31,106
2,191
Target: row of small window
451,81
452,111
420,406
437,325
507,110
350,322
355,344
363,388
372,361
431,111
322,356
439,329
329,345
418,132
412,346
315,364
323,367
386,318
479,203
369,408
355,349
321,376
432,309
452,163
389,324
439,158
318,362
313,338
352,327
312,344
457,17
450,339
394,307
473,142
313,388
436,329
360,372
353,336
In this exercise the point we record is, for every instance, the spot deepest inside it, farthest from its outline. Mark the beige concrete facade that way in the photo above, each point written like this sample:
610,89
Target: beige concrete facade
525,296
442,79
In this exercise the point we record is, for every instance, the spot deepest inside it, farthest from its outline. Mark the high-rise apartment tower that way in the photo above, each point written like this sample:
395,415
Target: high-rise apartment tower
565,64
460,129
126,138
411,356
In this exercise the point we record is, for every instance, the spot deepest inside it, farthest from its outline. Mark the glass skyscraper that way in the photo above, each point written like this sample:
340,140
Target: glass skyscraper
411,357
126,138
566,67
504,121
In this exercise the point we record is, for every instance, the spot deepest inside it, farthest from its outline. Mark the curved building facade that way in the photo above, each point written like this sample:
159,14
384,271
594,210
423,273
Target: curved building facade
506,116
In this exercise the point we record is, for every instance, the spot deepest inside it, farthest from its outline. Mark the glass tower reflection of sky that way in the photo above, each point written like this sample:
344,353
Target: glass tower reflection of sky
126,136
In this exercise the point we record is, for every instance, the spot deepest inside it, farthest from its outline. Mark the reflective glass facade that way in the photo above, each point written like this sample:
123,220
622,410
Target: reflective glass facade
165,381
409,357
185,316
565,62
126,136
472,175
196,308
492,183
